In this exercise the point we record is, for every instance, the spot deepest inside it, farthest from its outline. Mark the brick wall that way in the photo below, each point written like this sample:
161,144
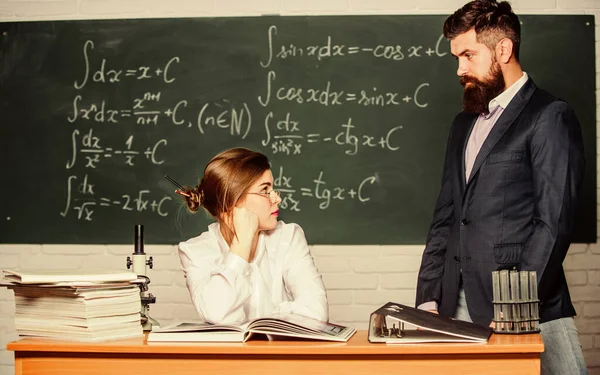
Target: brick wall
358,278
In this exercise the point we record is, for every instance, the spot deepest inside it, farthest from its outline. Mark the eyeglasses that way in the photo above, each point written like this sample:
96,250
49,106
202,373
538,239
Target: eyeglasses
273,195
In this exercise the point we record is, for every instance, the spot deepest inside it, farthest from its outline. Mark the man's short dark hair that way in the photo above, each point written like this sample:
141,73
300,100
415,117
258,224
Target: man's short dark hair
491,20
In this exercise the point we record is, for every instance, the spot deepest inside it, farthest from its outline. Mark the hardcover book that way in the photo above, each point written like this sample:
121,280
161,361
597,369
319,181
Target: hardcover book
274,327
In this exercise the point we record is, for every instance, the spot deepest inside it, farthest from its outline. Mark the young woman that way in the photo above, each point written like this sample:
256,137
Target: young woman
247,264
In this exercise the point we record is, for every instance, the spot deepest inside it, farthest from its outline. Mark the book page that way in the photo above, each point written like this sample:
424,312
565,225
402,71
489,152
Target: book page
197,332
55,276
199,327
295,325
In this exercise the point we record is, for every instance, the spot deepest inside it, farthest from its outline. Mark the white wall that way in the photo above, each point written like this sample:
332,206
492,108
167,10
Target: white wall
358,278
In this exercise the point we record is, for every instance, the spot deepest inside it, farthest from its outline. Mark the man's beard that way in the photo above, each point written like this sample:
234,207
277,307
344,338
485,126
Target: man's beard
479,93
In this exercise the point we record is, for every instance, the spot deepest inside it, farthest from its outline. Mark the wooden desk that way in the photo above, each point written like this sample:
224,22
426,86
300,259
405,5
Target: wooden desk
503,354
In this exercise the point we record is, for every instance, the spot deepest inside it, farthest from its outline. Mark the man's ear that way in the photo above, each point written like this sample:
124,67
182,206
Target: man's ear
504,51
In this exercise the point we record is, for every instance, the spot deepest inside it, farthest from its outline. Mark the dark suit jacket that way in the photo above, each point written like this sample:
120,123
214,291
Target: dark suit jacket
517,209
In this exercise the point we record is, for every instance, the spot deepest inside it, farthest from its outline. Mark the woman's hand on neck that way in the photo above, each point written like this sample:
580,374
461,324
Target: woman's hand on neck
245,225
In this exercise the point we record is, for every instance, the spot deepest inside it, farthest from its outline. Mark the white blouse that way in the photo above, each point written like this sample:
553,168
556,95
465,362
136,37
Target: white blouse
282,277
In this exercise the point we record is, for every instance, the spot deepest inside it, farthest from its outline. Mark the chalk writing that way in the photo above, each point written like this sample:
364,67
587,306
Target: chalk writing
319,191
106,75
287,140
329,49
327,96
93,151
87,202
283,132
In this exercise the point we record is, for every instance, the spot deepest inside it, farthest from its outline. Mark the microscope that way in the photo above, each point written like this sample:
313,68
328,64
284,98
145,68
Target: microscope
139,264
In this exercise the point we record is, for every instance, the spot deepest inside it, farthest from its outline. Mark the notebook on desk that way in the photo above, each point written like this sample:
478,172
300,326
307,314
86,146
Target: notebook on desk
426,327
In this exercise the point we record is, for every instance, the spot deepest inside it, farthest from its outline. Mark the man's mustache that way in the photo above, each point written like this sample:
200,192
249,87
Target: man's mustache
468,79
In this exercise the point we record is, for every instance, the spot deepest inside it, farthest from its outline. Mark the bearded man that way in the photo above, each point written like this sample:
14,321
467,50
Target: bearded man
512,175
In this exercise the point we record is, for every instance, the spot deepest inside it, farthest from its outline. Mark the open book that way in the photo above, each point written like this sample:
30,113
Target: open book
426,327
286,325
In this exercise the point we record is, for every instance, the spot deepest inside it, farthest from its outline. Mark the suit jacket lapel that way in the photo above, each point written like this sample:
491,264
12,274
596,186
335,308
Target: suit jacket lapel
506,119
463,138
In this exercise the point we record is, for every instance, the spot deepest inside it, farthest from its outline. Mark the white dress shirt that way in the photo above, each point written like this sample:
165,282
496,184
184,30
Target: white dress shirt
282,277
485,122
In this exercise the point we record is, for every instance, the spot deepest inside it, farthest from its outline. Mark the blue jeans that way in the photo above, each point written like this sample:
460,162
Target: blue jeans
562,351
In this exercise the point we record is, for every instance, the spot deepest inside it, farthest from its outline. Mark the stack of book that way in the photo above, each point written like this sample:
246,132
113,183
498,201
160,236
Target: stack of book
91,306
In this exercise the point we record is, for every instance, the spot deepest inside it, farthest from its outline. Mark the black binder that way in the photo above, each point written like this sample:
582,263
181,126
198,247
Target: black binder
432,327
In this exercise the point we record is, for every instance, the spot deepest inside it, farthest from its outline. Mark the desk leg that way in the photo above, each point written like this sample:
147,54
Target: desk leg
18,365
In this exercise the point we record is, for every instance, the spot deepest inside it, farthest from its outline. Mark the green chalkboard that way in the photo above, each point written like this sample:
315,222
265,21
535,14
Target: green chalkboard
353,112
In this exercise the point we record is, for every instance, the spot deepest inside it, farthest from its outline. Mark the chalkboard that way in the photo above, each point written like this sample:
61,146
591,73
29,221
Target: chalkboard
353,112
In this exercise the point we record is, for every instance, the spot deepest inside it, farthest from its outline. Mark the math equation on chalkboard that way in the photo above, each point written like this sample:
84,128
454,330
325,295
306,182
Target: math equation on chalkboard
353,112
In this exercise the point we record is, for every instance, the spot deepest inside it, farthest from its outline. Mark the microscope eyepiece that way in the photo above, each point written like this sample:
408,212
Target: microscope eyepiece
139,239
